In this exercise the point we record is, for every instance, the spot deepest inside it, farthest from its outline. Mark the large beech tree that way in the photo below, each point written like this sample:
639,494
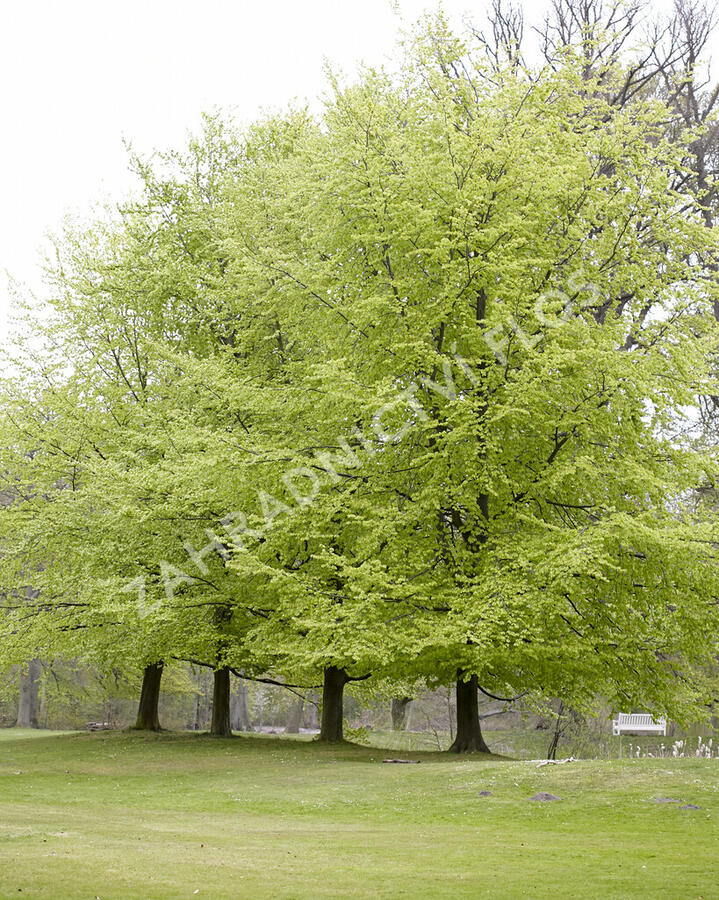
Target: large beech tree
104,439
390,393
522,302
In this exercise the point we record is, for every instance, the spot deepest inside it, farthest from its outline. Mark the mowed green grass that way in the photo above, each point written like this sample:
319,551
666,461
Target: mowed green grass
16,734
125,815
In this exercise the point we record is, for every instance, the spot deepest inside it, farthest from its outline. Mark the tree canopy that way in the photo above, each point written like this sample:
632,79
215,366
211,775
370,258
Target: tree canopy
397,390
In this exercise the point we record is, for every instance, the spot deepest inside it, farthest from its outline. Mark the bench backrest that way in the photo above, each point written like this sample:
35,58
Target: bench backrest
638,720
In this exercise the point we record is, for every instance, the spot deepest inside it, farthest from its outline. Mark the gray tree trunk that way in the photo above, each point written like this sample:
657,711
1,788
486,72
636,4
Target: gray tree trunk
399,712
294,719
28,703
239,707
311,711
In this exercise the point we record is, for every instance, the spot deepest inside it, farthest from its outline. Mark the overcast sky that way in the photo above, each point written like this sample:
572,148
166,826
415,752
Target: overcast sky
78,76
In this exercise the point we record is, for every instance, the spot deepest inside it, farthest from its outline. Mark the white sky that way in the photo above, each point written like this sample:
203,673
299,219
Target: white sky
78,76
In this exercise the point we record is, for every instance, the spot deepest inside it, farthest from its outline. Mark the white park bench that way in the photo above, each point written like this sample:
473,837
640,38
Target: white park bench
631,722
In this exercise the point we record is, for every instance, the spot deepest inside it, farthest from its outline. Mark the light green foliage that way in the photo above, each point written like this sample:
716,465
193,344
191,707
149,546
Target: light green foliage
507,276
424,357
147,360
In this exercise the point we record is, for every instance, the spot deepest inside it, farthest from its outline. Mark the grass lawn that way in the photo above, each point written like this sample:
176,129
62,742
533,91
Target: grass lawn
15,734
124,815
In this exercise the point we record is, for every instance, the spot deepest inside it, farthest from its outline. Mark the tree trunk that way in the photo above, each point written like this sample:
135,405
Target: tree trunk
294,718
399,712
220,725
28,701
239,708
148,718
201,705
196,711
311,711
42,710
554,743
332,697
469,732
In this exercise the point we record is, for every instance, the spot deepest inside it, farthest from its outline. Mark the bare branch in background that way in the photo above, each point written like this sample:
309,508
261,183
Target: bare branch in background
503,41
